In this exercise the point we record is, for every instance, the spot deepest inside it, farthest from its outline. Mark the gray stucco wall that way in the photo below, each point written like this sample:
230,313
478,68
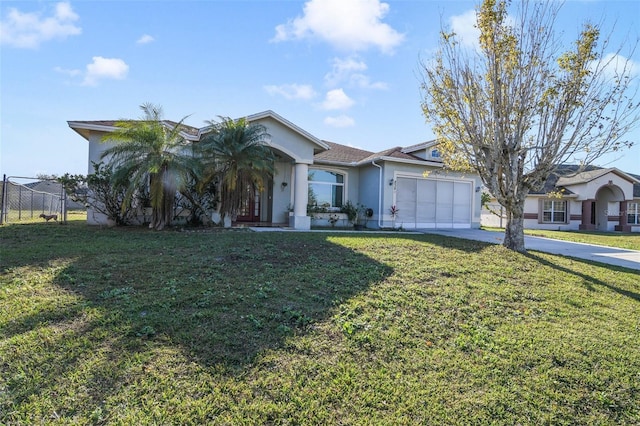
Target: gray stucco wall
369,190
282,193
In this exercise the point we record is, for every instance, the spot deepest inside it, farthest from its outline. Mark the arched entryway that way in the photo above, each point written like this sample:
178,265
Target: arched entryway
607,201
270,204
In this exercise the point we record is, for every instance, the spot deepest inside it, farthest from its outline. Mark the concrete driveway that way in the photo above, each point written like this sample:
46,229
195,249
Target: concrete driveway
612,256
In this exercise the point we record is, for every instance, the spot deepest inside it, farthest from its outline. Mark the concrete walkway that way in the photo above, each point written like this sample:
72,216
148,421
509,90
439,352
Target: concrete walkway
609,255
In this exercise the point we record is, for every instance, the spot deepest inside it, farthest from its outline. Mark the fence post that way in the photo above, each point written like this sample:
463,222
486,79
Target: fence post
2,200
63,197
19,203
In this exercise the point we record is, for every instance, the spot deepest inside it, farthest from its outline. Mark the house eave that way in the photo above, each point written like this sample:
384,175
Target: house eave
335,163
420,146
401,160
555,196
84,129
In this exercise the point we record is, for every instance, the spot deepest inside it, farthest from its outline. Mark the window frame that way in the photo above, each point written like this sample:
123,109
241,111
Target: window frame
633,213
343,185
553,211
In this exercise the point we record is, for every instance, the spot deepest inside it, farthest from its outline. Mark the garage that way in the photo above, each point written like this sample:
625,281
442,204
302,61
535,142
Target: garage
433,203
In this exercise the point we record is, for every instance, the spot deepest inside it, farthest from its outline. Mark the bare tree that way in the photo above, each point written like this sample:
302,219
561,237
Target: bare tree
516,107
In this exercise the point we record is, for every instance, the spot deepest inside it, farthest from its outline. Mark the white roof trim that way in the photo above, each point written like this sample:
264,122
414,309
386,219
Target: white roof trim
402,160
419,147
87,126
380,158
624,175
79,125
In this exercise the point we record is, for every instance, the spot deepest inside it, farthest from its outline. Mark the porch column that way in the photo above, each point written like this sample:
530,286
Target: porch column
300,220
586,224
623,225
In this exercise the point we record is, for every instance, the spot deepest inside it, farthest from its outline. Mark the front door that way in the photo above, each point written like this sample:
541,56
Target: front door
250,211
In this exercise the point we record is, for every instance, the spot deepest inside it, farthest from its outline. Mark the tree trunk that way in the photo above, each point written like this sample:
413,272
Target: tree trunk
162,216
514,231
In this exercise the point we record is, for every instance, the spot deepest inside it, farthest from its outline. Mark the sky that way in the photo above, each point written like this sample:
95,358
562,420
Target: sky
344,71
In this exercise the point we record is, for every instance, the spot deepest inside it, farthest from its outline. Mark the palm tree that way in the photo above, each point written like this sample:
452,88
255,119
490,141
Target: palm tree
236,156
151,152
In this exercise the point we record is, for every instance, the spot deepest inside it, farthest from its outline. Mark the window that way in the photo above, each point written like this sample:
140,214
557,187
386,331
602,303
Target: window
435,153
633,213
554,211
326,189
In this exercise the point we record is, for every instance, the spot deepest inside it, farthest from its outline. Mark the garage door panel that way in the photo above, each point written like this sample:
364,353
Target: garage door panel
462,202
406,200
433,203
426,201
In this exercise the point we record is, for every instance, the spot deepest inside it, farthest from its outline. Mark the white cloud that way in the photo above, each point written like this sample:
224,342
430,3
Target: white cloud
105,68
342,69
70,73
29,30
340,121
351,25
466,29
337,99
350,70
615,65
146,38
363,81
292,91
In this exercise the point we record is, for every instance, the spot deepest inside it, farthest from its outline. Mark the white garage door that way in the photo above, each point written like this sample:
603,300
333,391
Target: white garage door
433,203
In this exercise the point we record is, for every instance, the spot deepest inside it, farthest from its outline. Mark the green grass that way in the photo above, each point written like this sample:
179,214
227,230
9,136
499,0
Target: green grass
130,326
609,239
629,241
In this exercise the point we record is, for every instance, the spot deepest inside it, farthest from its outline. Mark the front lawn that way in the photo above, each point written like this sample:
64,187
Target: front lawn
610,239
130,326
629,241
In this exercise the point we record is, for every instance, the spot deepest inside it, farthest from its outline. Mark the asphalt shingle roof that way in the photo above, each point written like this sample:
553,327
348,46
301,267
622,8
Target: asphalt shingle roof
346,154
342,153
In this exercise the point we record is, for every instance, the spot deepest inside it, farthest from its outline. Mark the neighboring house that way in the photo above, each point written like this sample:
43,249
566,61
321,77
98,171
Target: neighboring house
326,175
594,199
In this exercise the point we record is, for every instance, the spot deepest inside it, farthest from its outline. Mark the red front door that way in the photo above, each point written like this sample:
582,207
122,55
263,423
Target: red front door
250,211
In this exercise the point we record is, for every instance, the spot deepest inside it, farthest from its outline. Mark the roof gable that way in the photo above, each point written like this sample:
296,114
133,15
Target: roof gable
567,175
588,176
290,125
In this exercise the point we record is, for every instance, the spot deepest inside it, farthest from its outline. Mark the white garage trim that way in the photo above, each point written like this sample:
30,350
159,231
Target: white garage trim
428,202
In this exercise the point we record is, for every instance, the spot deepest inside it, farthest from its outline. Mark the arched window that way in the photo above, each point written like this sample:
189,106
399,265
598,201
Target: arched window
326,189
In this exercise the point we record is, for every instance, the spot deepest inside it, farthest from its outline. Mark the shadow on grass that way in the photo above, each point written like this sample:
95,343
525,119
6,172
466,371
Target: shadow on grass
588,280
220,299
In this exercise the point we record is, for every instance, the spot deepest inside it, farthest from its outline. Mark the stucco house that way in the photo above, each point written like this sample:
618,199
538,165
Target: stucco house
323,174
603,199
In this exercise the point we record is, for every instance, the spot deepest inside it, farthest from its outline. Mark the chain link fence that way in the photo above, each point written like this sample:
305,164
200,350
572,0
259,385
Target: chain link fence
31,199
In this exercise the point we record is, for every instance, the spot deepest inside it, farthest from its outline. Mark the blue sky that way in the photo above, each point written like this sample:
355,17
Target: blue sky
345,71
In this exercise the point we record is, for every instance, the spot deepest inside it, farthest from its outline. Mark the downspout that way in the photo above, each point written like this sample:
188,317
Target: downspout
373,162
